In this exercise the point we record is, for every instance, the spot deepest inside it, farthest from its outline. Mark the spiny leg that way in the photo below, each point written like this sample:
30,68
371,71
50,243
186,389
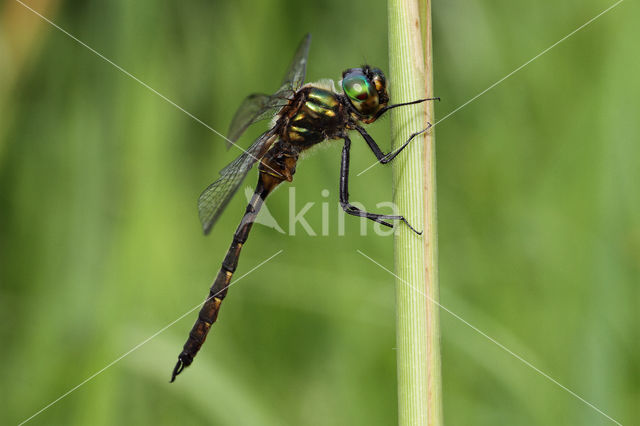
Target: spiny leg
388,107
344,194
382,157
385,158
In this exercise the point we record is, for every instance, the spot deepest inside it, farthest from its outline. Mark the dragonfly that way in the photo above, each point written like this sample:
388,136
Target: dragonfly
303,115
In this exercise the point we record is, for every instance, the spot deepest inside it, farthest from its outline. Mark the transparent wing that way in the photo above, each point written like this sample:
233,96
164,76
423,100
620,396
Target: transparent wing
259,106
215,198
294,77
254,108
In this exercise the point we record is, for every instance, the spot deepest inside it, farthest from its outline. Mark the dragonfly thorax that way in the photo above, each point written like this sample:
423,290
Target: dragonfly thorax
313,115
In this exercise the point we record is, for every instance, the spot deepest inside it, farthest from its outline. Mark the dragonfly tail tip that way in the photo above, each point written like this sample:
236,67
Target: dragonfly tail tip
177,370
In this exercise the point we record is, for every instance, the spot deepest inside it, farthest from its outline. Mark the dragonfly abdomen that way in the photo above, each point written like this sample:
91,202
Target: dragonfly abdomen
211,307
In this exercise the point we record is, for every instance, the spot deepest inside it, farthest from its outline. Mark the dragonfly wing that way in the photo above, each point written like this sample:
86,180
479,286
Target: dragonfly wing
259,106
294,77
254,108
215,198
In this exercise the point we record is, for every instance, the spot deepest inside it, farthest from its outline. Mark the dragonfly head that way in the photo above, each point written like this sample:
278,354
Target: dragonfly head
366,89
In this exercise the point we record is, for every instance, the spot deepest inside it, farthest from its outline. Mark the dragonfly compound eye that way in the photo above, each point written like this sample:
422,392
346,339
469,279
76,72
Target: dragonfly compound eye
361,92
380,83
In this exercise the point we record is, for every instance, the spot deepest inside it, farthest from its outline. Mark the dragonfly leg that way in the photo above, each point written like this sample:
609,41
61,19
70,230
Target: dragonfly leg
388,107
344,194
382,157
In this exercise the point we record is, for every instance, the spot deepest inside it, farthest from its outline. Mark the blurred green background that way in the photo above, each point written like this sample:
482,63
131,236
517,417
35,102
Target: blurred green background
100,244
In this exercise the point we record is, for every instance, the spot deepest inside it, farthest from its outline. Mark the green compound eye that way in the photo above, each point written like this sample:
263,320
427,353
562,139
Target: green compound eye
357,87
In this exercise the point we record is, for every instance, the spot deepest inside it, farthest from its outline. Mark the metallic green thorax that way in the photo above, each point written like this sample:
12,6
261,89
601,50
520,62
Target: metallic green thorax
315,114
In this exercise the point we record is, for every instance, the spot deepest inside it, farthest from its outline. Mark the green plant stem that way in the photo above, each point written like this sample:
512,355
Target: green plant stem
417,323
